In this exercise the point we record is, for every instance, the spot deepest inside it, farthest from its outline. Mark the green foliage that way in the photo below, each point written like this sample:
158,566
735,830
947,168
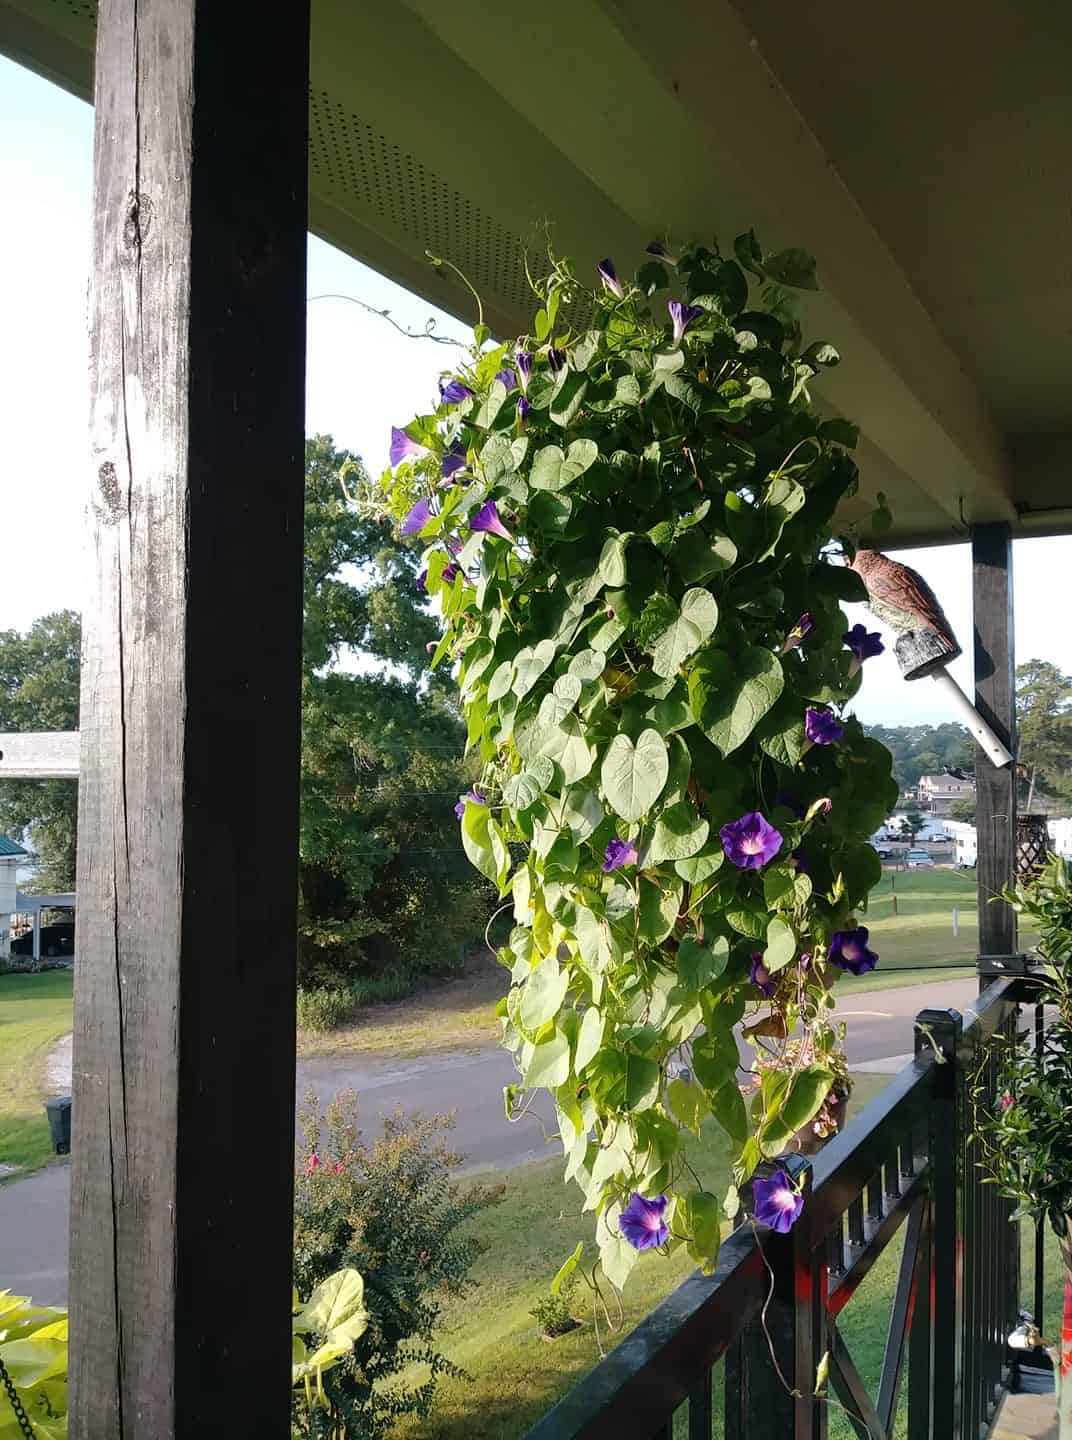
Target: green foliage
553,1312
925,749
1044,729
39,673
389,1211
637,541
1024,1139
384,883
324,1009
912,822
963,810
33,1348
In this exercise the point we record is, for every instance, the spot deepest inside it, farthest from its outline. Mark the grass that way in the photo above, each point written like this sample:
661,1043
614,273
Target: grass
459,1014
35,1012
514,1376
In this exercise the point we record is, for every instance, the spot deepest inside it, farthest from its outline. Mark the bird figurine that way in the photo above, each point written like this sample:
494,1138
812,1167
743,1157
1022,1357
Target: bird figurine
899,596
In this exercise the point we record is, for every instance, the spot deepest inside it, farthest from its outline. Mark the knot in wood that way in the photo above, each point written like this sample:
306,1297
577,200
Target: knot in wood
112,509
137,221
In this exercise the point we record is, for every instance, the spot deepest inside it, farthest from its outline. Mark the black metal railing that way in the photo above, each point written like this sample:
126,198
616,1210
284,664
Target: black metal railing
771,1308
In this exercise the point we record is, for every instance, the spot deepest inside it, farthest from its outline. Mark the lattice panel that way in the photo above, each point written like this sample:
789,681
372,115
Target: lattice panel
1032,843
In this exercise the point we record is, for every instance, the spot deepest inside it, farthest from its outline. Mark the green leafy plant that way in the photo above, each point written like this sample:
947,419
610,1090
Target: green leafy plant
553,1312
324,1009
388,1210
626,519
1023,1138
336,1318
33,1352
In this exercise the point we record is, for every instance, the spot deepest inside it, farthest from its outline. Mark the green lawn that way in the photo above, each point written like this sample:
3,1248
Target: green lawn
514,1375
921,931
35,1011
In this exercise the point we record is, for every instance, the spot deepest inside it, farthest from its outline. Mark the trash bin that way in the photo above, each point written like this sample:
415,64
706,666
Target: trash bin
59,1123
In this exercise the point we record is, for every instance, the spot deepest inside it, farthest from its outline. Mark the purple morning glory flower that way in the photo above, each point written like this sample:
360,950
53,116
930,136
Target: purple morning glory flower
474,795
450,573
403,448
454,392
864,644
556,358
849,951
822,727
487,518
453,461
454,545
506,378
523,407
619,853
422,582
777,1204
660,252
523,359
642,1223
609,276
750,841
760,976
417,518
800,632
682,315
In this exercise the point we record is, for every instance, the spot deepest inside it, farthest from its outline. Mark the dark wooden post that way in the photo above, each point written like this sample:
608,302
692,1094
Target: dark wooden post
995,698
181,1226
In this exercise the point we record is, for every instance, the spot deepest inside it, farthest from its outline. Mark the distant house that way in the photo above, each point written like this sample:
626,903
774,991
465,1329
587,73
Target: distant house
937,793
11,857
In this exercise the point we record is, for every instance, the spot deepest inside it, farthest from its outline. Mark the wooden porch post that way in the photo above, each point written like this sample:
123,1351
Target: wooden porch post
181,1224
995,698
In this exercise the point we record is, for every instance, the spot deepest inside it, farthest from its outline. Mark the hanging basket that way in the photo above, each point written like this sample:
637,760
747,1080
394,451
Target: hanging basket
1032,843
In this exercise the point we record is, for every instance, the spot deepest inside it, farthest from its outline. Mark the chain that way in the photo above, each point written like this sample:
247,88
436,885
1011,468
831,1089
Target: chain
16,1404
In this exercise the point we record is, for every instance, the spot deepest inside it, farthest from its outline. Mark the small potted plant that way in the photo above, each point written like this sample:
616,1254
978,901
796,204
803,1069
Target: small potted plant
795,1056
1025,1139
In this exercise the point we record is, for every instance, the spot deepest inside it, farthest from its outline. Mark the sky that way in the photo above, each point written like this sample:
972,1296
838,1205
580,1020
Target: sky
362,377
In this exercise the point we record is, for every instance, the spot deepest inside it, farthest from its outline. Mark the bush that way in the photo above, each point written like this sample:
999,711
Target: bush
553,1312
381,989
324,1009
389,1210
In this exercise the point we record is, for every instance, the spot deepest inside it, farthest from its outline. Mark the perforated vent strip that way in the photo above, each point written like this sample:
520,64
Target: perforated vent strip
362,165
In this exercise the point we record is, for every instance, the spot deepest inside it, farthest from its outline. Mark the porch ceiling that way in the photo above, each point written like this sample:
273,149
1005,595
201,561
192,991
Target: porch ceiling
919,156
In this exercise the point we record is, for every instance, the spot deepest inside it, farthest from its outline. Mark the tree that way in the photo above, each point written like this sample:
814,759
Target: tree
384,882
39,672
913,822
1044,729
963,810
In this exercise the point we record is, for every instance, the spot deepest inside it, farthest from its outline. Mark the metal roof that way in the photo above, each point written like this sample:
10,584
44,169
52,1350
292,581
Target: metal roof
918,152
9,850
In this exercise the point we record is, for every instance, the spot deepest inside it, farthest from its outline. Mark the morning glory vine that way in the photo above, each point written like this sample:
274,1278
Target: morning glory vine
626,521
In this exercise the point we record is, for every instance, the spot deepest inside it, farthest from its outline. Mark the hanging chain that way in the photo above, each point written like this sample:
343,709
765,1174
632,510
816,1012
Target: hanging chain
16,1404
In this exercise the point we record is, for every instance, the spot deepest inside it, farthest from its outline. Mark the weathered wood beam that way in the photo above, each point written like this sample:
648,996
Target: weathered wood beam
181,1196
51,755
995,699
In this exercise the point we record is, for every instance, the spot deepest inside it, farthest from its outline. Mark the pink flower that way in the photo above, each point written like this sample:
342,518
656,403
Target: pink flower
339,1167
313,1163
1007,1101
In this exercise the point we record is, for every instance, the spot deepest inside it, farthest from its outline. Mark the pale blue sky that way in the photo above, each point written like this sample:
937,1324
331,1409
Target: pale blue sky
362,378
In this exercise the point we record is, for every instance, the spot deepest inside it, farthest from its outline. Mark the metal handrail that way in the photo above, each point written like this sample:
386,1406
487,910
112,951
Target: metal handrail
889,1165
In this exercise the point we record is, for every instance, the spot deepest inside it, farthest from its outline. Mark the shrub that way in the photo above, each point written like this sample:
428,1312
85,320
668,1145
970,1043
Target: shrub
553,1312
381,989
323,1009
389,1210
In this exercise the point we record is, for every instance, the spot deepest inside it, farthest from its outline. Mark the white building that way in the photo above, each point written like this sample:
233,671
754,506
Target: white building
965,841
1061,836
938,793
11,857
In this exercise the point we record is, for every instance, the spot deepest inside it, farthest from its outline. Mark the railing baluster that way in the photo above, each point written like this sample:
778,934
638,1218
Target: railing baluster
943,1030
700,1410
920,1358
835,1247
856,1222
892,1177
875,1209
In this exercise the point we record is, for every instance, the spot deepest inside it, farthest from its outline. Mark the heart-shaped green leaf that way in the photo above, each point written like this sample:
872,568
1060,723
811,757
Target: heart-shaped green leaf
633,775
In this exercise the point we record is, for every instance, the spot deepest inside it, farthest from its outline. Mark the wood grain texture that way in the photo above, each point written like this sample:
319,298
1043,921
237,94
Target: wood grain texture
995,699
43,755
181,1223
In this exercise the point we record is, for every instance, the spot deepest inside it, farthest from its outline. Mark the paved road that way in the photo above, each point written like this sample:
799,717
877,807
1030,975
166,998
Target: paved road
33,1212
